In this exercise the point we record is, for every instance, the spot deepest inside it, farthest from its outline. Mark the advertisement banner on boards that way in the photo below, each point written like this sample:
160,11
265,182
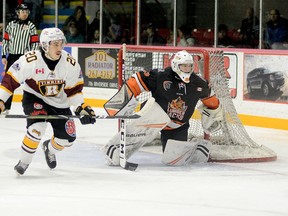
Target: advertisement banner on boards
99,67
266,77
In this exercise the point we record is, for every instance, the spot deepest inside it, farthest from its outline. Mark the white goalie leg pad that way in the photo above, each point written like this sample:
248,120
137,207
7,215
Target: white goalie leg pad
139,132
211,119
178,153
201,155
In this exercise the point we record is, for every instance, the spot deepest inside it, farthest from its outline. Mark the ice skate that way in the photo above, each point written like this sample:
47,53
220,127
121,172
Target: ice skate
50,158
20,167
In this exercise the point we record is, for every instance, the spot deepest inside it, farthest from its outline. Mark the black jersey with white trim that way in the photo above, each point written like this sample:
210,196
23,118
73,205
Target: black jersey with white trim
175,97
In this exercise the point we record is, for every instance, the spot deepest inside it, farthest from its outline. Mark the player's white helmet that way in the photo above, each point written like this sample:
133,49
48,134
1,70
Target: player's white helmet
182,58
51,34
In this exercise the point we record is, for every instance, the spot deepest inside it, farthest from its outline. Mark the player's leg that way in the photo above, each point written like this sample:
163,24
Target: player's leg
35,131
64,134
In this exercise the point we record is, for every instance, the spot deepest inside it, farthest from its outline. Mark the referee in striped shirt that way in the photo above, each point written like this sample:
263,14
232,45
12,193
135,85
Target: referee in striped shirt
20,36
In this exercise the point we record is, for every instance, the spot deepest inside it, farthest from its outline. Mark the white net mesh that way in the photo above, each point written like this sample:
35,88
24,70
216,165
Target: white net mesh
231,143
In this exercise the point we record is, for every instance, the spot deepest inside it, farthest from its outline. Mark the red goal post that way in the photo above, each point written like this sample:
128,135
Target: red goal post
231,143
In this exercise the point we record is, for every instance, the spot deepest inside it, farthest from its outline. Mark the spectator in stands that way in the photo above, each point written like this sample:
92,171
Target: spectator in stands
126,37
152,37
96,37
94,25
10,9
65,4
249,31
73,35
276,32
185,38
114,31
79,17
223,39
170,39
36,11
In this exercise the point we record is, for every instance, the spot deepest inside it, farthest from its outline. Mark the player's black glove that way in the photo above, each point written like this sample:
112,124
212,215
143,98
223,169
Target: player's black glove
87,115
2,106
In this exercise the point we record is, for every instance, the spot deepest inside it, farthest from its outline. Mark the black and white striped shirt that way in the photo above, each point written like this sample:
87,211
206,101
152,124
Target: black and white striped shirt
19,37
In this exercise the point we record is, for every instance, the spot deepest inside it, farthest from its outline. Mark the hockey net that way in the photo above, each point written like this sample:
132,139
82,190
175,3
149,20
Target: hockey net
231,143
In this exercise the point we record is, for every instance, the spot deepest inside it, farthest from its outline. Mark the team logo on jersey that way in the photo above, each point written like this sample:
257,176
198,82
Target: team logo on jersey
167,85
177,108
199,89
70,128
50,88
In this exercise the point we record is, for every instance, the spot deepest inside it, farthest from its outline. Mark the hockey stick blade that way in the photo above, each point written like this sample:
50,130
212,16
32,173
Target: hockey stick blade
135,116
130,166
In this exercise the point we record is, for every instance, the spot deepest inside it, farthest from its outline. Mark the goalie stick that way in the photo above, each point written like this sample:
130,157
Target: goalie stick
134,116
122,151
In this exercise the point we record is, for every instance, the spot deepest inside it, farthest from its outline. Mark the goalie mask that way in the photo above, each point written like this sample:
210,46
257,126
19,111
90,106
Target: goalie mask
51,34
182,64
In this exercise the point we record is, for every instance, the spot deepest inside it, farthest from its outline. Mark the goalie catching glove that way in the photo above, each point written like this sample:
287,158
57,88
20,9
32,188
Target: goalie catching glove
211,118
2,106
86,113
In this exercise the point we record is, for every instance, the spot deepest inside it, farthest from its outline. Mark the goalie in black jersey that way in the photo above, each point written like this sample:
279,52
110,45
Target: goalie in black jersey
53,83
176,89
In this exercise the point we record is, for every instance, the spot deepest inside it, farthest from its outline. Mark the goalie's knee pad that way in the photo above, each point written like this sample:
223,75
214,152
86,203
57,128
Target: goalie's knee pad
178,153
202,152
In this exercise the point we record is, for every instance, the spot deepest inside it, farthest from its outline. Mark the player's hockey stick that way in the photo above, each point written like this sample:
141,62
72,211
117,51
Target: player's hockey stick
122,151
47,117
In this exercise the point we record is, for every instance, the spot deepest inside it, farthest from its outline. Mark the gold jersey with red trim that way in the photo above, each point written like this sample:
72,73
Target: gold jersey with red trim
61,87
177,98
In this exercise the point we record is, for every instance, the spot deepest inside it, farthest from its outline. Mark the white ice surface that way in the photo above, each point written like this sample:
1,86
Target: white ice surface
82,185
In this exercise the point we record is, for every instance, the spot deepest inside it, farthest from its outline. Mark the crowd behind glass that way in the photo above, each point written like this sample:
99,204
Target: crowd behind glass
156,24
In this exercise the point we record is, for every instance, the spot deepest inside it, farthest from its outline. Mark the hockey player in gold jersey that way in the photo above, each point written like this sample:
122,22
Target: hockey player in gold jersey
53,83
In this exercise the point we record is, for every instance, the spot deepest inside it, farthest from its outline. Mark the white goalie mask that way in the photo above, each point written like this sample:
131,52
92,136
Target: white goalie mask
51,34
182,64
